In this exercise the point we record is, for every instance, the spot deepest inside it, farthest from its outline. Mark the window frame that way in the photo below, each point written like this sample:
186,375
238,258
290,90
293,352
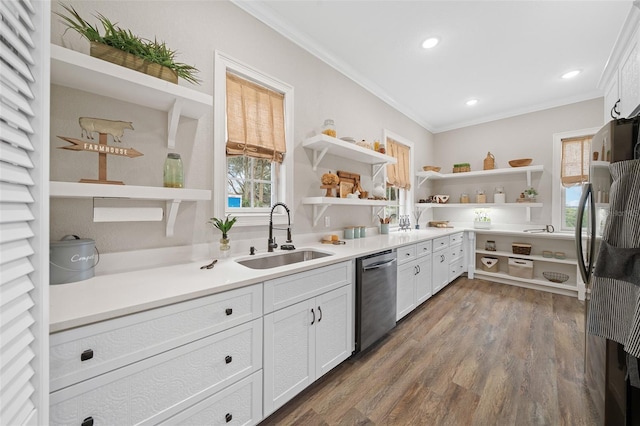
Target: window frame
222,64
558,191
405,197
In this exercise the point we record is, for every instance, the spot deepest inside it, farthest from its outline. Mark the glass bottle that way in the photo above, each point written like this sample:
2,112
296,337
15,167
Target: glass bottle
329,128
173,176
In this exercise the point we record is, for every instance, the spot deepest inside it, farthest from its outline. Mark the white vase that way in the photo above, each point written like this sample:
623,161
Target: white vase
378,191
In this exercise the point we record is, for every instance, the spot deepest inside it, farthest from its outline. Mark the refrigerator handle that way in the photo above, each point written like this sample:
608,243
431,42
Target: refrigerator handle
586,190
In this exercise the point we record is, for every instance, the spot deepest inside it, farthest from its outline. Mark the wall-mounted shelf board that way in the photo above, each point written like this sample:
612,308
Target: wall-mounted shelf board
323,144
79,71
526,206
536,281
424,176
600,164
172,196
530,257
320,204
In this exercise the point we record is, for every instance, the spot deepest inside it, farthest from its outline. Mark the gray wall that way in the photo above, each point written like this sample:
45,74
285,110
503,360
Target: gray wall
524,136
195,29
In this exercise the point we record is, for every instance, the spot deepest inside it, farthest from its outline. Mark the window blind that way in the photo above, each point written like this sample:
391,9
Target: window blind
398,174
255,120
575,160
17,358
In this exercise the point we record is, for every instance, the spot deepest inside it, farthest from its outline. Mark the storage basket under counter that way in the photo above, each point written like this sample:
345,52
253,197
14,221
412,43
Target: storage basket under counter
521,248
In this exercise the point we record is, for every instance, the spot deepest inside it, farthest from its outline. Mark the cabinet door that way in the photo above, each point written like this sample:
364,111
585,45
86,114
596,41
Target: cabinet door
289,353
334,328
424,288
440,264
406,290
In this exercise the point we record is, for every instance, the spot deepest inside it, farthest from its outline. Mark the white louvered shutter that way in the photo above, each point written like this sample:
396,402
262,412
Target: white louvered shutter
24,47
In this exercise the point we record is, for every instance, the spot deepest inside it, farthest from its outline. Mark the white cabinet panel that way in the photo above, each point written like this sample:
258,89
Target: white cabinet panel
334,334
440,262
406,290
424,280
155,388
406,253
115,343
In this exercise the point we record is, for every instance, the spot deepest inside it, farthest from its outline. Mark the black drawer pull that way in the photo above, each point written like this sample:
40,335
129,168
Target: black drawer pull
87,422
228,417
228,359
228,311
88,354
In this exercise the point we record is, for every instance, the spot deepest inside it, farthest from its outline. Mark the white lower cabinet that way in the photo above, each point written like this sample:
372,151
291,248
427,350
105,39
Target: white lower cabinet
154,389
414,277
148,367
308,338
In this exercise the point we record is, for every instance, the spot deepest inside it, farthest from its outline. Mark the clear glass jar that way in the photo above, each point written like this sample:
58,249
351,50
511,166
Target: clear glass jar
173,176
481,197
464,198
329,128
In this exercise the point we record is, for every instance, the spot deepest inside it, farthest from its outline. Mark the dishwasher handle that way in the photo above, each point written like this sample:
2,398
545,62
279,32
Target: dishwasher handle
379,265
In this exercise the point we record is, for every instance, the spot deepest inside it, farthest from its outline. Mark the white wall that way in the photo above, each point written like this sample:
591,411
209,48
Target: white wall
523,136
195,29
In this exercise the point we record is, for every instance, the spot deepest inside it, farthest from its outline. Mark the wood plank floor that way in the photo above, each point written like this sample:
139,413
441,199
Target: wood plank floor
478,353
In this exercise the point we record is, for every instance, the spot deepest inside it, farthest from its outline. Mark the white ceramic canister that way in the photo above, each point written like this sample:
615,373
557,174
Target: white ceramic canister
72,259
499,197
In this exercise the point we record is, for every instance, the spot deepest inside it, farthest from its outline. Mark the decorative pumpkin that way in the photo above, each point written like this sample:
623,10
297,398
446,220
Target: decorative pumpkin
330,179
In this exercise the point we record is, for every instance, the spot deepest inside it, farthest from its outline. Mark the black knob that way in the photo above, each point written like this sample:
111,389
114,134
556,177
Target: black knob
228,359
228,417
87,422
88,354
228,311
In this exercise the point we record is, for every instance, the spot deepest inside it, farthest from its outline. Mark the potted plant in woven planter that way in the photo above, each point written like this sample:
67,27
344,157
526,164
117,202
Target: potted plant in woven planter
124,48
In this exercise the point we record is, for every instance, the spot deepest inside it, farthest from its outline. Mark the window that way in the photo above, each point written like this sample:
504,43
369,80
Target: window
399,177
572,152
253,127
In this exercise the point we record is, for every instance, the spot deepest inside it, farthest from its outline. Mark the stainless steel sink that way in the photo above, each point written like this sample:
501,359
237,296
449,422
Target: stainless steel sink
282,259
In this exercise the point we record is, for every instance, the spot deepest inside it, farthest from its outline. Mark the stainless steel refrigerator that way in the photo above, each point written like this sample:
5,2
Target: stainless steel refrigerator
615,400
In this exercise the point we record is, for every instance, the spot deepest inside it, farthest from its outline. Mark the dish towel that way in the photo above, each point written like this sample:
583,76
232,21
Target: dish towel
615,289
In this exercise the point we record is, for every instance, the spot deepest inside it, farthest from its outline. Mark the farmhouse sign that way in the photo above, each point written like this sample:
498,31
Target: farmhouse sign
104,128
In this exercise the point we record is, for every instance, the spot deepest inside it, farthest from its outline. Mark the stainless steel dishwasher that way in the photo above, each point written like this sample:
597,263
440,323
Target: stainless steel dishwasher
375,297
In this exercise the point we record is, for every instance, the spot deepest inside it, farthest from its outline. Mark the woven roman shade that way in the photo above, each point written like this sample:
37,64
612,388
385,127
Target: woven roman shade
398,174
575,160
255,120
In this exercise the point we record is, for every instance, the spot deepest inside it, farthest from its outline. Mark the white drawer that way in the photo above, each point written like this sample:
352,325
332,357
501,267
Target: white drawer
112,344
239,404
440,243
456,253
156,388
406,253
456,269
456,238
424,248
286,291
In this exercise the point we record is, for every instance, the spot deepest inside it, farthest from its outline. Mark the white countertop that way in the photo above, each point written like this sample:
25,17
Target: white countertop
109,296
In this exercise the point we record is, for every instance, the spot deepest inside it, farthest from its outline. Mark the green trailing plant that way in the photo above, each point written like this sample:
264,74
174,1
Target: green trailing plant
225,226
530,192
125,40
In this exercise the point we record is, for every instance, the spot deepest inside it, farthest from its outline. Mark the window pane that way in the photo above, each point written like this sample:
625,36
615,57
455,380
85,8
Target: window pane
262,194
570,207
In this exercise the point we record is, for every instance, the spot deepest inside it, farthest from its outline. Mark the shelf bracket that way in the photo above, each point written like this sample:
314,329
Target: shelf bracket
376,169
317,157
173,119
422,180
318,210
172,214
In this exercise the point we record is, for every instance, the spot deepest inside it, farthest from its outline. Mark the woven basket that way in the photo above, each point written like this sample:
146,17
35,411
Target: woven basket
127,60
521,248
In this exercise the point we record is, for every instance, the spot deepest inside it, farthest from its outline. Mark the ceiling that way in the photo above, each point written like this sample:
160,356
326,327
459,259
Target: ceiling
509,55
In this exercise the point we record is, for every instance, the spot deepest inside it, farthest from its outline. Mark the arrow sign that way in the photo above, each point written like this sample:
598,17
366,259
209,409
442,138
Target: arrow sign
78,145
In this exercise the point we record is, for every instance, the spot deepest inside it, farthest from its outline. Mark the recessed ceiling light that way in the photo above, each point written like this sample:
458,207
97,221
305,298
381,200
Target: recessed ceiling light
472,102
430,42
570,74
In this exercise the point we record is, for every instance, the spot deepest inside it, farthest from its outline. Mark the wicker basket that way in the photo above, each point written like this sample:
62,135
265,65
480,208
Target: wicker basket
521,248
461,168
